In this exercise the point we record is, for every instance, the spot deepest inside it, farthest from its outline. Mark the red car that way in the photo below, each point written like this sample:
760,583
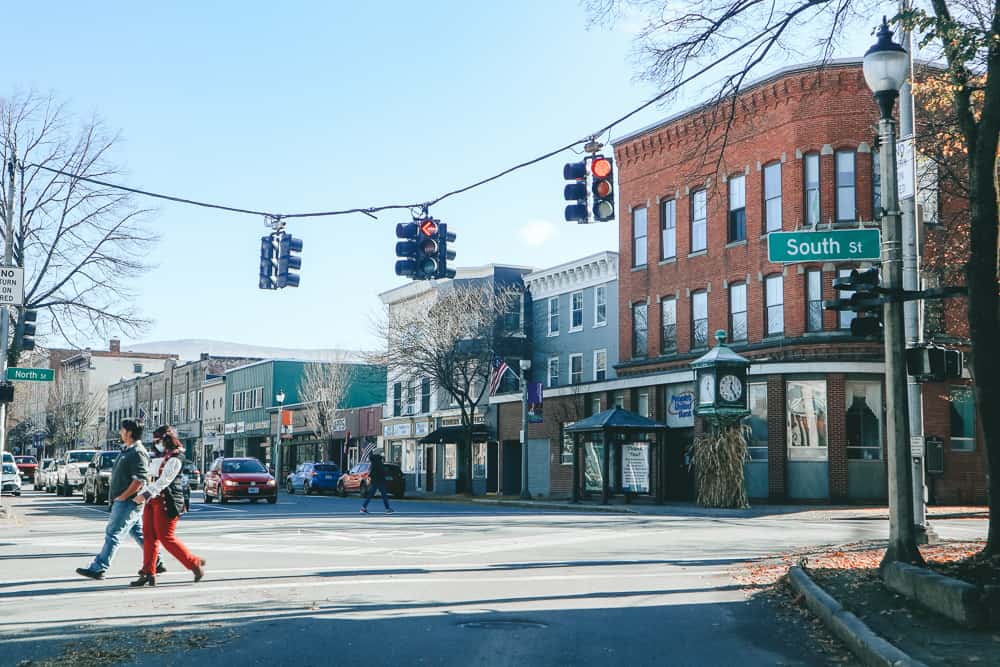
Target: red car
356,479
239,478
26,465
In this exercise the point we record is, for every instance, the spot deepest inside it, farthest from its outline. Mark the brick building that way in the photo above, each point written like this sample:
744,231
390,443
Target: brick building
693,247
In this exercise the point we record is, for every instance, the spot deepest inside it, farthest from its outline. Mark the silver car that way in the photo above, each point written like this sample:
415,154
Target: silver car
72,469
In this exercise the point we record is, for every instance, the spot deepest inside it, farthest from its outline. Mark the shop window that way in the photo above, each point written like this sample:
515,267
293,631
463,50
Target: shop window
775,293
668,317
566,450
699,221
963,419
814,300
738,312
668,232
450,461
409,457
737,209
479,460
576,311
395,453
812,189
772,197
639,237
845,186
807,419
575,368
640,333
864,420
757,421
699,320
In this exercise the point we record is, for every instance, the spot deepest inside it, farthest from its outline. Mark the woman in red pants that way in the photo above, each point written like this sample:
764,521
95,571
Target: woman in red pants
164,498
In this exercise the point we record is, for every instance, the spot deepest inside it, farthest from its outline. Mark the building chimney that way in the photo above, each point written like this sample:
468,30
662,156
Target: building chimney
115,346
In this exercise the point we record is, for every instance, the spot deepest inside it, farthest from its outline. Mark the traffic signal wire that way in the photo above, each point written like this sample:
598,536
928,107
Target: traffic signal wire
372,210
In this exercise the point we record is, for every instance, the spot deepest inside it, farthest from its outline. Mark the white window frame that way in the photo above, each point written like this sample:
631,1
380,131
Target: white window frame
602,355
734,291
696,297
672,300
814,288
552,361
772,200
576,356
810,164
737,189
699,226
668,229
769,304
574,311
553,316
640,240
852,186
600,299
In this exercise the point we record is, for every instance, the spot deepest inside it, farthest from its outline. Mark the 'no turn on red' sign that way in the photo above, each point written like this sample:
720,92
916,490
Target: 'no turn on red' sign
11,286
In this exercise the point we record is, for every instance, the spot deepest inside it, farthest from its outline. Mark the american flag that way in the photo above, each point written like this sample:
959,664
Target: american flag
367,450
142,415
499,367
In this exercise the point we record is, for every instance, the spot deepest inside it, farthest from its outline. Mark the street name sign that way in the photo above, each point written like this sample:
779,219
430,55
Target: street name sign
11,286
31,374
833,244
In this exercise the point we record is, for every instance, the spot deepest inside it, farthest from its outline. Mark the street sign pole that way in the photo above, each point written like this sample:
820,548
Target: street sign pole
8,255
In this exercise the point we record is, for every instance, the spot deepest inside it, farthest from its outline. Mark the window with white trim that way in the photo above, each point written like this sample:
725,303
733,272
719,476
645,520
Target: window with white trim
811,177
738,312
576,311
775,304
699,320
600,305
845,186
772,197
814,300
864,419
668,231
553,372
737,208
554,316
699,221
639,236
668,325
639,330
600,365
575,368
757,420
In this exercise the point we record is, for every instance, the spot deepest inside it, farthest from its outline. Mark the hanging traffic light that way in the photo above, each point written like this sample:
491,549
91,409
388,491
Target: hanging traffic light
268,274
445,255
576,192
24,331
865,300
428,249
406,249
603,188
289,261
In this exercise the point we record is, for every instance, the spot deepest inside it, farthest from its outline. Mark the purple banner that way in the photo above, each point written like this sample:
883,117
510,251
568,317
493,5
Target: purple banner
535,415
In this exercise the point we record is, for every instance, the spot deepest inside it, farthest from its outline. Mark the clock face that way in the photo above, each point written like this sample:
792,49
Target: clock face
730,388
706,393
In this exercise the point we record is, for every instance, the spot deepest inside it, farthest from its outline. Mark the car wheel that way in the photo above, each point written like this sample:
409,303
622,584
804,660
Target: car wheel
87,500
222,499
272,499
340,489
305,489
290,487
253,501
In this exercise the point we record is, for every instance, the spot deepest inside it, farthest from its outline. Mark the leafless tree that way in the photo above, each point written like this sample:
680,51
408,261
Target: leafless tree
71,408
452,342
82,245
322,391
739,37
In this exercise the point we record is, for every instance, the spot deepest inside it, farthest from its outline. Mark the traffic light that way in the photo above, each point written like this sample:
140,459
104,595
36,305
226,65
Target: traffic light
445,255
576,192
865,301
289,261
406,249
929,363
24,331
428,249
268,276
603,188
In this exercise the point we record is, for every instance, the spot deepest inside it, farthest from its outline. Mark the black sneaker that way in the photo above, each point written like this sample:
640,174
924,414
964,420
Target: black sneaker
91,574
160,568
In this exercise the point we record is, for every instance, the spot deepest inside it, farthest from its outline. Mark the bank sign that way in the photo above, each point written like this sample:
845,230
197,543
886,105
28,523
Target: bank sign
830,245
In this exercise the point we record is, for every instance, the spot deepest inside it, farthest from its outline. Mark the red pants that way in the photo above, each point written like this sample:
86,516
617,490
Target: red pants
158,528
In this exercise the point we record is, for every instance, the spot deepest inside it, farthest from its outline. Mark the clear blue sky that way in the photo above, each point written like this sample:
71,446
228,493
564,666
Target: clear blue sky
304,106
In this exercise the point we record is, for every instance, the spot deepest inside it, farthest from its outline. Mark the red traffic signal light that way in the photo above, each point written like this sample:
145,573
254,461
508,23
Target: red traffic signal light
428,227
600,167
603,188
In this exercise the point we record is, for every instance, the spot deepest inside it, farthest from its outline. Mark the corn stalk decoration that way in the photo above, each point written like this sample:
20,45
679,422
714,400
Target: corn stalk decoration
718,457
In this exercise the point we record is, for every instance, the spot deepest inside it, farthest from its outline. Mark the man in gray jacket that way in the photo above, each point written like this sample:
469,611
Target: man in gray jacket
127,477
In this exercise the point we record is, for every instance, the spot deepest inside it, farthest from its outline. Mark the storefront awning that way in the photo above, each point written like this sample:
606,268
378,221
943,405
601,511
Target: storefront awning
456,434
616,419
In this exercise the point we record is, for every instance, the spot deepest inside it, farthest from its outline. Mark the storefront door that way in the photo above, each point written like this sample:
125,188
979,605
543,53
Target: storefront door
429,473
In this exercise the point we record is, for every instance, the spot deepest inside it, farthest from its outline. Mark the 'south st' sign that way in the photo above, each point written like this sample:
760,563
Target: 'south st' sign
834,244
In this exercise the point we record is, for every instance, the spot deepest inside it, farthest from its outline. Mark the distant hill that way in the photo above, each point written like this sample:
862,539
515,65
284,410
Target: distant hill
191,349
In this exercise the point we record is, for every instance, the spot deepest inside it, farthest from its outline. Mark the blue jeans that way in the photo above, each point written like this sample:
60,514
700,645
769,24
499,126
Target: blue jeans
126,517
377,486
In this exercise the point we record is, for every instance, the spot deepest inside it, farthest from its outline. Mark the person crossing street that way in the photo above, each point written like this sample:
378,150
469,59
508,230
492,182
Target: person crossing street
376,482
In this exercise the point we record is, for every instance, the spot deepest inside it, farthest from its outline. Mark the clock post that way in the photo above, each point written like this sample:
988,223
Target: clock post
719,452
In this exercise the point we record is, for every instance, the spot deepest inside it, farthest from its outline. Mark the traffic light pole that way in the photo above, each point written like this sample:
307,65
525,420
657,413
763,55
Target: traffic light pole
902,533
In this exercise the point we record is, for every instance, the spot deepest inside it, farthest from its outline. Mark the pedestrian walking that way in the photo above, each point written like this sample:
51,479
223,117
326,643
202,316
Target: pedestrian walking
163,497
376,482
130,472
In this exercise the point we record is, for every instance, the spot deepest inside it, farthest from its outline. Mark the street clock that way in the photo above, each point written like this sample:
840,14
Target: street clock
721,377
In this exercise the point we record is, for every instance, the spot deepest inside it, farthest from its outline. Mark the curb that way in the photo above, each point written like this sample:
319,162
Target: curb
859,638
531,504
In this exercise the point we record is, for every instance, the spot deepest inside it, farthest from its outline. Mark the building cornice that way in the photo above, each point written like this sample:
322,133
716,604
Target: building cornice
571,276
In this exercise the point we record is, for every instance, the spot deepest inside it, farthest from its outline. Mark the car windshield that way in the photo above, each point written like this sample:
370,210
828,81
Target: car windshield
108,460
247,466
326,467
80,457
25,459
9,469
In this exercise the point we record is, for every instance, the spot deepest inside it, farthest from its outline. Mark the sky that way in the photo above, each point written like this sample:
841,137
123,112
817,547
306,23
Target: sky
305,106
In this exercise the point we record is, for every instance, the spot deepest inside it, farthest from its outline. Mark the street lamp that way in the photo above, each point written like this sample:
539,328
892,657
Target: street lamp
885,67
280,399
525,365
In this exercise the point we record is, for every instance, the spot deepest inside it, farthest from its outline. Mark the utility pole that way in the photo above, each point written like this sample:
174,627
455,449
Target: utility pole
913,310
8,255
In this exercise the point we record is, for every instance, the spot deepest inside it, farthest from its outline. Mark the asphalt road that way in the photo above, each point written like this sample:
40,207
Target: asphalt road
312,581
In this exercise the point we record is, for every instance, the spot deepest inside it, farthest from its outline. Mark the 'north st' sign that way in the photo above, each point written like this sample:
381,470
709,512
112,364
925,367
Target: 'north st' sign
838,244
31,374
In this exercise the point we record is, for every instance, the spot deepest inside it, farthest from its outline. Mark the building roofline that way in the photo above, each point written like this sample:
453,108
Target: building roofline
417,287
589,259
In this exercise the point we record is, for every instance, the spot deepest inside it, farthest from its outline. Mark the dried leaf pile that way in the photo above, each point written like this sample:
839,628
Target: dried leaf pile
718,457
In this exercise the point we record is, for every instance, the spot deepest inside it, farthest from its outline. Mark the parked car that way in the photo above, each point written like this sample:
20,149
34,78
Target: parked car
313,477
27,466
356,479
97,479
42,473
9,458
239,478
10,479
73,468
192,473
